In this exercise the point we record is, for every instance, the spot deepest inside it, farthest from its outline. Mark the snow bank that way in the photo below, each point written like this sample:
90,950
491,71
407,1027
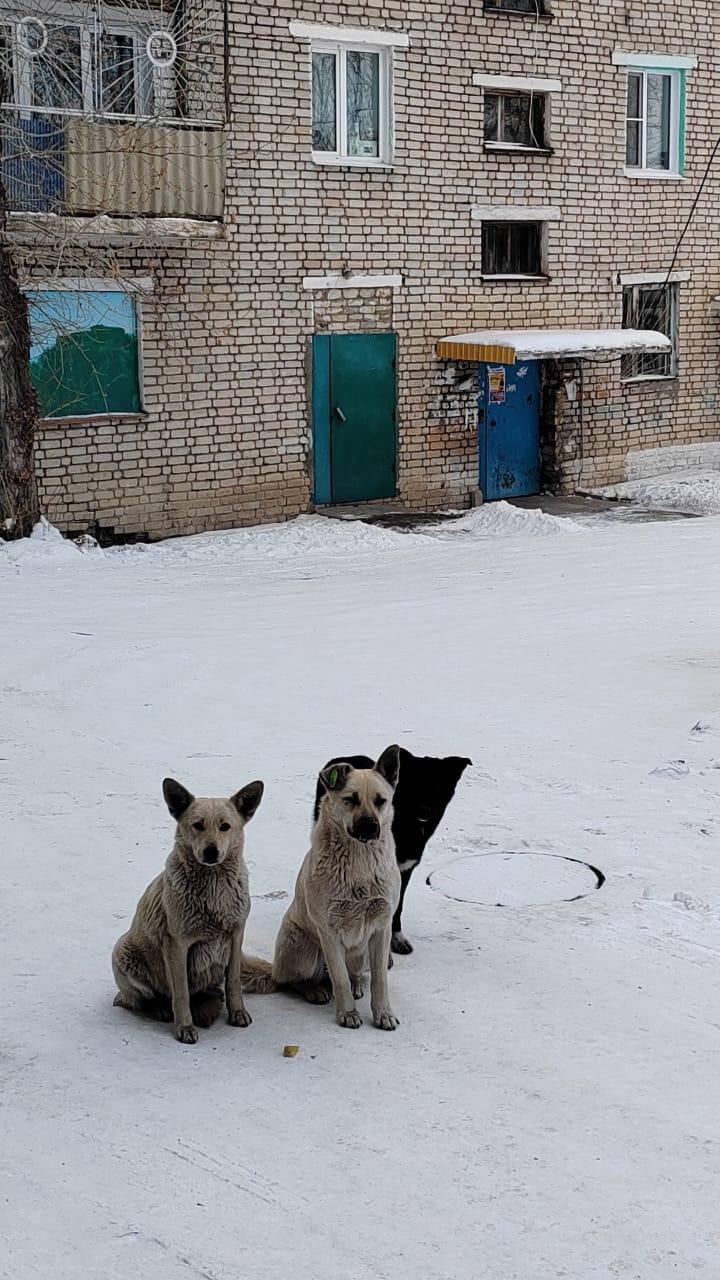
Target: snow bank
46,547
306,536
501,520
694,492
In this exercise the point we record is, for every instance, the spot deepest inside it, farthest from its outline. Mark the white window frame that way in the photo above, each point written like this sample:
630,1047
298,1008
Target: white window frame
63,15
341,48
637,288
642,170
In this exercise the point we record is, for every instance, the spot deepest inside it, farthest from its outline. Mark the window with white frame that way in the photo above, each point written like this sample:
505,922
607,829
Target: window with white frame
655,307
653,124
515,120
63,65
351,95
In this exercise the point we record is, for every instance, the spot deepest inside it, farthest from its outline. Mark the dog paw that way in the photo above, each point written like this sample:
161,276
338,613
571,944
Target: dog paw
357,989
239,1018
400,945
317,995
186,1035
385,1020
351,1019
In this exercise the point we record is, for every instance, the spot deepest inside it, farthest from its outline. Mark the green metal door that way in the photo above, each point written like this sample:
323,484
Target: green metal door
354,414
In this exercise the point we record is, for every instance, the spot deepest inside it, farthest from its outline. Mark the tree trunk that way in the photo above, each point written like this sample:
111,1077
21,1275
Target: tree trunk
19,505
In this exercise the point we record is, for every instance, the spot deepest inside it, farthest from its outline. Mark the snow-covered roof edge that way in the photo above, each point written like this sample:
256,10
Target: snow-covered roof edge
544,344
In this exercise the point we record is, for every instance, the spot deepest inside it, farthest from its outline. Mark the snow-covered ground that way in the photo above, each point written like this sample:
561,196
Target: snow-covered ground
695,491
549,1106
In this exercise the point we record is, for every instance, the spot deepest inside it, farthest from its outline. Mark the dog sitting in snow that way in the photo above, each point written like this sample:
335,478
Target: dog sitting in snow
346,893
426,786
182,955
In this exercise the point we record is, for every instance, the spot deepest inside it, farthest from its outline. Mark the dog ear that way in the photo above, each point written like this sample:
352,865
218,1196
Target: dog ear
334,776
177,797
248,798
388,766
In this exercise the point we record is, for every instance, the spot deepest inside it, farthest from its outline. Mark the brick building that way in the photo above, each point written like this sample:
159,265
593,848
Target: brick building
311,246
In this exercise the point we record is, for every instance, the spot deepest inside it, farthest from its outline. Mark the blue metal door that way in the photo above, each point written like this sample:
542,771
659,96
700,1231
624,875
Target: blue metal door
509,426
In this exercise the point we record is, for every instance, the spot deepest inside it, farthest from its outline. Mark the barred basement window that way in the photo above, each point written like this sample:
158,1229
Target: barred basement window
651,306
536,7
84,352
512,248
515,120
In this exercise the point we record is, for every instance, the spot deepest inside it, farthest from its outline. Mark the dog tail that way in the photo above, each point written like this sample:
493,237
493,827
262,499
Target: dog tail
256,976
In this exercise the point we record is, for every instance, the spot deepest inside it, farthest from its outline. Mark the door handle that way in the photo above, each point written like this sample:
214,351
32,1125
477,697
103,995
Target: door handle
337,410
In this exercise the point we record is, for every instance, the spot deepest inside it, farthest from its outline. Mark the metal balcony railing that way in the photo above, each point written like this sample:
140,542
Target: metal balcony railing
113,108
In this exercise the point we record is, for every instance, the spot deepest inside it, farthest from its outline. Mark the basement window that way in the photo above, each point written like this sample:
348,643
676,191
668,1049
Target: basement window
536,8
84,352
512,249
651,306
515,120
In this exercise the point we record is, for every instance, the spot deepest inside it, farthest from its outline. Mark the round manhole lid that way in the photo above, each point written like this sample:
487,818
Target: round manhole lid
516,879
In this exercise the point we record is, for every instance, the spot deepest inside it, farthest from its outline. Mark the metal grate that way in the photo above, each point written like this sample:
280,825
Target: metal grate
113,107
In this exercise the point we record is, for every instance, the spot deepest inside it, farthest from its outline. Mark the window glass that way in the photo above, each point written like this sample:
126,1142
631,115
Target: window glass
650,307
512,248
55,65
117,74
324,102
84,352
516,119
363,103
658,122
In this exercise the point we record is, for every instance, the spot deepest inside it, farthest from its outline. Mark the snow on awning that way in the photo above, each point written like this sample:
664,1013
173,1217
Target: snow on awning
505,346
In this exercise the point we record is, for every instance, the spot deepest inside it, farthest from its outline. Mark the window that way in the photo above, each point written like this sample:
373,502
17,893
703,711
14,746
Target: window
350,97
84,352
651,306
56,66
536,7
653,124
512,248
515,120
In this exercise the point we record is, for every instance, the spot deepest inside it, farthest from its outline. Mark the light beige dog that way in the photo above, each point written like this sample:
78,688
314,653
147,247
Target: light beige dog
346,894
182,953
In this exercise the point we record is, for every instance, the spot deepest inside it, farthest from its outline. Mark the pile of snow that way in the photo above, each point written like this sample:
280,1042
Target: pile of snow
501,520
306,537
693,492
46,546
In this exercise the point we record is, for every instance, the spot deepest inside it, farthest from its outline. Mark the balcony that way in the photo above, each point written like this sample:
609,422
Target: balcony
117,111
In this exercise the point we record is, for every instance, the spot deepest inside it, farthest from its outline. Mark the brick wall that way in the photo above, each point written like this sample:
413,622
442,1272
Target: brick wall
226,435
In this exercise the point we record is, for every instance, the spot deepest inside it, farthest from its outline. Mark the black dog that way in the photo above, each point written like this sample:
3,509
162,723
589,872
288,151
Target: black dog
425,788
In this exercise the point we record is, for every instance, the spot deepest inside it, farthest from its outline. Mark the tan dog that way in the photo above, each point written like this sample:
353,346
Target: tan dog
346,894
183,950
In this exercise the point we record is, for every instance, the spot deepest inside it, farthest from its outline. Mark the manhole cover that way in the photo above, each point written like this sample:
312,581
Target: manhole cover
516,879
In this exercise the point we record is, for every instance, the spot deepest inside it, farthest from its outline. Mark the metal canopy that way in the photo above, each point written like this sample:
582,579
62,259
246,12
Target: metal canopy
506,346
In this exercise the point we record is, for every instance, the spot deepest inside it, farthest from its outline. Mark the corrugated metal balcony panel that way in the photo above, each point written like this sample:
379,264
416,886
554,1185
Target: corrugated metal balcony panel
144,169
